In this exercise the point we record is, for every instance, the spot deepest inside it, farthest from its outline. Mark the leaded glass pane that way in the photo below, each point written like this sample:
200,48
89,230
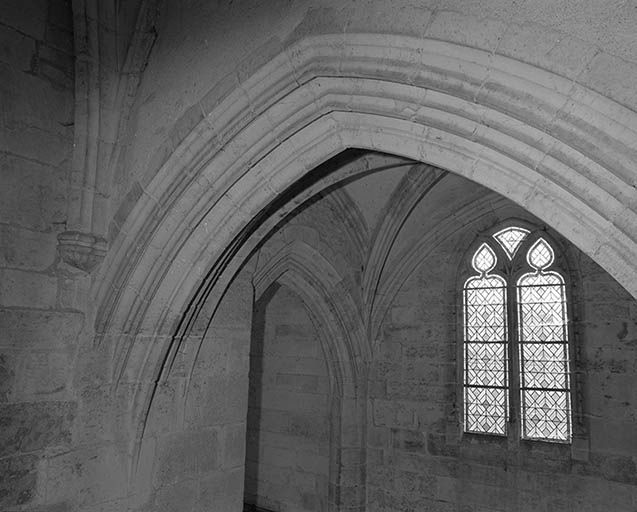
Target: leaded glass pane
485,347
486,410
546,414
484,259
486,364
542,308
510,239
540,254
485,310
542,333
544,365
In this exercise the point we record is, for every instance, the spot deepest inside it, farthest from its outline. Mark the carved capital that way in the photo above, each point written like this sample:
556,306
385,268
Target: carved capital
81,250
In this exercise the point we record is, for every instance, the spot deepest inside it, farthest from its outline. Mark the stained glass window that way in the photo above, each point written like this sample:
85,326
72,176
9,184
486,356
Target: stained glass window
510,239
539,328
544,361
485,346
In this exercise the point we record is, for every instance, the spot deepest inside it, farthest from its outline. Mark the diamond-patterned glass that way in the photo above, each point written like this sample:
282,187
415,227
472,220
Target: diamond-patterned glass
544,361
510,239
541,330
485,410
484,259
485,353
546,414
486,364
544,365
540,254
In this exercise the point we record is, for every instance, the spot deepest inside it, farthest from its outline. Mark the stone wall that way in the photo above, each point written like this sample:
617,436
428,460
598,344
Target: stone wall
188,74
193,452
418,458
300,422
41,301
536,100
288,447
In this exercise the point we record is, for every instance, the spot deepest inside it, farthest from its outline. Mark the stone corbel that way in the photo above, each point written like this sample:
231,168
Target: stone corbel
81,250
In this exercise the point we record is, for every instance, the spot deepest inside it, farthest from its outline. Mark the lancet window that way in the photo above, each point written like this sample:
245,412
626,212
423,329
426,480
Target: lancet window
516,346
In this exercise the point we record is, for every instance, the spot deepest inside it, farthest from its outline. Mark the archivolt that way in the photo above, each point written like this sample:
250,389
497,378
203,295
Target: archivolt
412,257
561,151
318,283
336,317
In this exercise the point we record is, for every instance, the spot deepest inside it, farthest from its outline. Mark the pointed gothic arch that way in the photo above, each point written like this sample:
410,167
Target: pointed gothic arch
337,319
448,105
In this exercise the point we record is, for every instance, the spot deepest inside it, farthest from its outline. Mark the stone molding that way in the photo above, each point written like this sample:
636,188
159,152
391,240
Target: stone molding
418,181
524,132
84,251
334,313
521,149
315,277
102,107
353,220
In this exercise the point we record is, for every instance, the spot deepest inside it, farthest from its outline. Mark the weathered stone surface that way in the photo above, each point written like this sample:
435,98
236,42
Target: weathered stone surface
28,17
32,102
408,440
39,376
20,288
33,195
95,478
16,50
27,427
26,249
180,496
288,435
52,149
217,400
7,374
32,329
19,481
238,108
183,455
233,445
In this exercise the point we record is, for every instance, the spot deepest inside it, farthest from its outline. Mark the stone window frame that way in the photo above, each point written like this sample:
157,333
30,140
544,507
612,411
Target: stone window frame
566,265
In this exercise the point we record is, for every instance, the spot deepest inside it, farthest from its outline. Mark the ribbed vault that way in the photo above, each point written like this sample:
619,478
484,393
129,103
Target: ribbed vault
561,151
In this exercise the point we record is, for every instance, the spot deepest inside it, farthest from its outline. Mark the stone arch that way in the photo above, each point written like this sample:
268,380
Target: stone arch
529,134
315,280
485,215
353,220
337,319
418,181
412,257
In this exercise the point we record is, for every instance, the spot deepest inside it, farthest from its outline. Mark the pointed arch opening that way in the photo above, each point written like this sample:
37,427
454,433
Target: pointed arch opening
516,366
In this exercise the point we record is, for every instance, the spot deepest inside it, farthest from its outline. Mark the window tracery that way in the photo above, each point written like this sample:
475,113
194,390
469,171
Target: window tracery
510,239
516,353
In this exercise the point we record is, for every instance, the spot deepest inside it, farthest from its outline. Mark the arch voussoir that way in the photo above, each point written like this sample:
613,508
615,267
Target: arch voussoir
501,123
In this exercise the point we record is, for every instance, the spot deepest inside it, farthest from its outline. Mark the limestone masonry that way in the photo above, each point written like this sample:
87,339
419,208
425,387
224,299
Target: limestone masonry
234,236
